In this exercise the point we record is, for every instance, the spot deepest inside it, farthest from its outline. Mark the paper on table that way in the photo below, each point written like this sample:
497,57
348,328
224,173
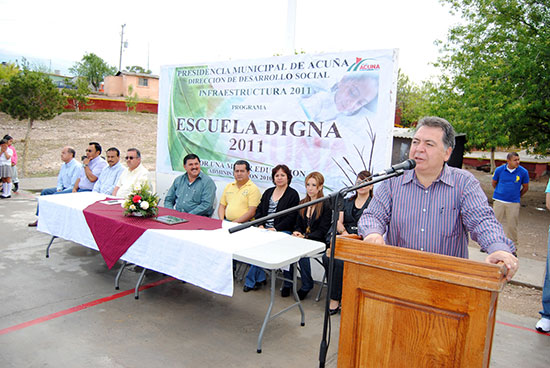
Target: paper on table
112,201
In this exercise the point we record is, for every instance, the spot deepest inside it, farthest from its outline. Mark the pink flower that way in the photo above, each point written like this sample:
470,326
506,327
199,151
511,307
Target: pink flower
136,199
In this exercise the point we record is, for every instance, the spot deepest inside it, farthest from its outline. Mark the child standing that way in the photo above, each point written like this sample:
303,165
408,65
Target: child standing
14,176
5,169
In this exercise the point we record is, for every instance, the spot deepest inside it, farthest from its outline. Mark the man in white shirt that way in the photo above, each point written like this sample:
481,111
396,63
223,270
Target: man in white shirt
109,176
134,175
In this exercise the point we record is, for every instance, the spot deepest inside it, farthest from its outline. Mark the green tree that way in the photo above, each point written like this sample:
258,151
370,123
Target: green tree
496,73
131,100
77,93
137,69
7,70
93,68
412,100
33,96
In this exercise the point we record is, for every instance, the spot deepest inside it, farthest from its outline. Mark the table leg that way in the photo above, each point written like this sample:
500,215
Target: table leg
141,276
119,273
269,317
295,292
49,245
268,314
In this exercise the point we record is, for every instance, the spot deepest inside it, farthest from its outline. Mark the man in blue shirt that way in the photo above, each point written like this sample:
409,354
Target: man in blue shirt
109,176
92,165
69,173
511,182
192,192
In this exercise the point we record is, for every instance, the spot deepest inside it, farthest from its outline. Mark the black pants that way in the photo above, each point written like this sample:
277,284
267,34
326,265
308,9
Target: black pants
337,276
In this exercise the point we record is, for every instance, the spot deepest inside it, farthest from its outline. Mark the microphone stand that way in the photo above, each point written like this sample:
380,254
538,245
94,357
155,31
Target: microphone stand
336,199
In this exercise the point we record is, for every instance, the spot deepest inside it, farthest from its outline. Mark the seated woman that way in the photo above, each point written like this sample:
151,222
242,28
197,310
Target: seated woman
275,199
313,223
347,224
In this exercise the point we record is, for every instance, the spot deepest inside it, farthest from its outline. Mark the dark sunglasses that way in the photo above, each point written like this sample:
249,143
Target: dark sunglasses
129,157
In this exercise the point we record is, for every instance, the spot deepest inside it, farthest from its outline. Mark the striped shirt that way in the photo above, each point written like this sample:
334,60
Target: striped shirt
436,219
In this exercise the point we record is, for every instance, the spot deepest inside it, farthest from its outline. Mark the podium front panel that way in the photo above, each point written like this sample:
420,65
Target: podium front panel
396,319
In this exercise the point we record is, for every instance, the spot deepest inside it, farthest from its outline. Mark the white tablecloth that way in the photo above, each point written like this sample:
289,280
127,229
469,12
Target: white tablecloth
201,257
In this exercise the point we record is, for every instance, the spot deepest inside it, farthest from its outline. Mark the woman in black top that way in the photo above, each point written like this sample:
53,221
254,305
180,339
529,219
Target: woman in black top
275,199
347,224
312,223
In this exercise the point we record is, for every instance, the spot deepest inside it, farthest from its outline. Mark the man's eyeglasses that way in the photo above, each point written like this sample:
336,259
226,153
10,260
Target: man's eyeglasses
129,157
88,150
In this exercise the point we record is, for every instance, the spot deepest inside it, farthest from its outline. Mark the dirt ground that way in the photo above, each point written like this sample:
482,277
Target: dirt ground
125,130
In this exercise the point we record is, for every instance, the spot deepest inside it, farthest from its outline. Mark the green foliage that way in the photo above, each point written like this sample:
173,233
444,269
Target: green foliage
495,86
7,71
93,68
31,95
131,100
137,69
78,92
36,66
412,100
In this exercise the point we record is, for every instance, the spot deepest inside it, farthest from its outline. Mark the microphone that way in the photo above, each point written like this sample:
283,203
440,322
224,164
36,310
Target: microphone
405,165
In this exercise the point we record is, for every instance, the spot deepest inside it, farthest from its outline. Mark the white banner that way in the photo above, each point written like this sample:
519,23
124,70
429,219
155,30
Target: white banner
331,113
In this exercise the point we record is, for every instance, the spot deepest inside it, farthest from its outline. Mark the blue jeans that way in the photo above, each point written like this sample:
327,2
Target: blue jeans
545,312
305,273
255,274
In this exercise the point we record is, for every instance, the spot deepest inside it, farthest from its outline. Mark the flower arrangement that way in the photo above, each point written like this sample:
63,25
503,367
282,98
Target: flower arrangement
141,202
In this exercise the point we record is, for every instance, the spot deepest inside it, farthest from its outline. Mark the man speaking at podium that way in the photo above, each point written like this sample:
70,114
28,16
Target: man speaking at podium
433,207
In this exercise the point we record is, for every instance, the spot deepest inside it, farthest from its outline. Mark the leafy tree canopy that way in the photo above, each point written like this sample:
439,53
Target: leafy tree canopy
7,70
412,100
497,72
77,92
137,69
31,95
93,68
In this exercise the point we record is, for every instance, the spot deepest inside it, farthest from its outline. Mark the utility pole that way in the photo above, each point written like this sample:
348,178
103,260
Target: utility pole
291,27
121,46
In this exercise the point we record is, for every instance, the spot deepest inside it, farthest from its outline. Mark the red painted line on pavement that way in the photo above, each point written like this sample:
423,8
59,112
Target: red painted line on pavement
82,306
524,328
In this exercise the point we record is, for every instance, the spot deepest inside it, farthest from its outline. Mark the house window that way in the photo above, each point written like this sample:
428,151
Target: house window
143,82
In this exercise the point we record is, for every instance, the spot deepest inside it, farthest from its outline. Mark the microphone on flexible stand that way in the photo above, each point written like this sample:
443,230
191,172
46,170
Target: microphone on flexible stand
405,165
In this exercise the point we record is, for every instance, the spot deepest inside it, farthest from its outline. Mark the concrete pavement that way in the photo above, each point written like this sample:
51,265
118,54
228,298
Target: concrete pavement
63,311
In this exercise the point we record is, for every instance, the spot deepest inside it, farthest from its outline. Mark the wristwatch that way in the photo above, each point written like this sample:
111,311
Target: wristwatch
84,165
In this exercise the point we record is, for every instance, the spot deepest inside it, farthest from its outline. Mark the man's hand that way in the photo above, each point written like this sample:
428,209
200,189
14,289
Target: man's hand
298,234
374,238
86,161
509,260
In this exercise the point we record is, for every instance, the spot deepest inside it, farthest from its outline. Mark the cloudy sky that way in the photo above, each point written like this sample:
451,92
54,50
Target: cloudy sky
59,32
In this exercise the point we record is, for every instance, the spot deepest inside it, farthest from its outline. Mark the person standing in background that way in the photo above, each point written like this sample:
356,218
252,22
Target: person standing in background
511,182
14,176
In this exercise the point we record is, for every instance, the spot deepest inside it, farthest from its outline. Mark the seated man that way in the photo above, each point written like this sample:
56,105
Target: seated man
93,165
192,192
240,198
109,176
134,175
67,177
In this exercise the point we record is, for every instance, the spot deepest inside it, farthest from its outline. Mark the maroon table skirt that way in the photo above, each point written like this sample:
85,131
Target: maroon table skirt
114,233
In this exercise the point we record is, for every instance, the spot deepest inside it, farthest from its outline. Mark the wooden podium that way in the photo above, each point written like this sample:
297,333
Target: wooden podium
406,308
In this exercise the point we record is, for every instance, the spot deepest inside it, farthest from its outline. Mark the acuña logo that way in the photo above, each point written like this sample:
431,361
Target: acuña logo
364,65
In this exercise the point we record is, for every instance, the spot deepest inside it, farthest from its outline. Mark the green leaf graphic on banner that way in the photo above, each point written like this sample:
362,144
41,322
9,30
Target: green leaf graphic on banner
186,103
